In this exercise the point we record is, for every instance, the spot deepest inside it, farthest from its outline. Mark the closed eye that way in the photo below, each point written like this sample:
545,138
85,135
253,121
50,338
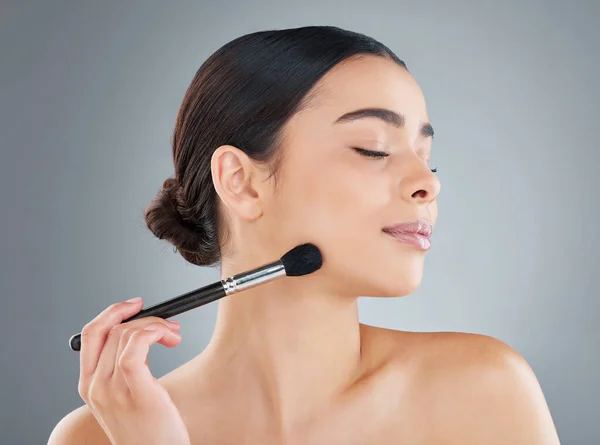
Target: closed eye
370,153
378,155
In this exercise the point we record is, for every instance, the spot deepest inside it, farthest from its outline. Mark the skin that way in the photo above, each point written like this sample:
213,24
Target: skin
289,362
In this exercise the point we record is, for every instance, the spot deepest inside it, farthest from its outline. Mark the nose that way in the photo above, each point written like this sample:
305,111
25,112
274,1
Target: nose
419,184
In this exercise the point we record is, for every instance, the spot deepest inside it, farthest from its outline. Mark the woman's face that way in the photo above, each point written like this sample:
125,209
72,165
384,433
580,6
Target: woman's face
340,199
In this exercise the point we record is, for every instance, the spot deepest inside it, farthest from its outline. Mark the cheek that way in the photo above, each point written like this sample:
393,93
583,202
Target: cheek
342,210
342,202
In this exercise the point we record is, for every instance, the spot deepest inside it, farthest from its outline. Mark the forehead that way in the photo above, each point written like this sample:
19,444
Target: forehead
367,81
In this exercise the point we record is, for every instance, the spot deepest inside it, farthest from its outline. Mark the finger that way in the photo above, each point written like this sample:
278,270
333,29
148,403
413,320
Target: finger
117,382
118,336
106,361
166,340
132,362
93,334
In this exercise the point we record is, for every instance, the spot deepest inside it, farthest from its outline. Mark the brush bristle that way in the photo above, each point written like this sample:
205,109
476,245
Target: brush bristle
302,260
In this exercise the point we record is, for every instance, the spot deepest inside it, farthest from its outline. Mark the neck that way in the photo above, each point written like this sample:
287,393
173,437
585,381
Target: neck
293,346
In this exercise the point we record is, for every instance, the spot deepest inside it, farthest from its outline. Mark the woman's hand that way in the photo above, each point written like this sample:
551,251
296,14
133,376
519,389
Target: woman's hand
115,382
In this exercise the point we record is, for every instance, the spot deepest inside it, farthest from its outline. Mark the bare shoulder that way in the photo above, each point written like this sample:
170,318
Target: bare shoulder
476,388
79,427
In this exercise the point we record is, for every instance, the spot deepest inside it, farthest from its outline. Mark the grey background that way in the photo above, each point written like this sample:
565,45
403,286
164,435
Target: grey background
88,97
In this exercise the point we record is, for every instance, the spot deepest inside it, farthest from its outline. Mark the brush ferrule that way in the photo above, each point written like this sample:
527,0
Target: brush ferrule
253,278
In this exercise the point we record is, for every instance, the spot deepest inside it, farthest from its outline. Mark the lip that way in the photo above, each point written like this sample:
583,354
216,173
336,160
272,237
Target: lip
416,233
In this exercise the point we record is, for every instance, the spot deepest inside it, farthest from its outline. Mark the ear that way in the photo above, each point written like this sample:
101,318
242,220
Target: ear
235,177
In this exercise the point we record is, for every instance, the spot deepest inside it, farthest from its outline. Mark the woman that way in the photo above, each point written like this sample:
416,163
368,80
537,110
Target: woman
310,134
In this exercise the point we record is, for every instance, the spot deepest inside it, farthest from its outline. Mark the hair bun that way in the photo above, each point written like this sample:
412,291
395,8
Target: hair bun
169,217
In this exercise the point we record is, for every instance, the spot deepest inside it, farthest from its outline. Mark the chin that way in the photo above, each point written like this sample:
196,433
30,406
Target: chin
384,279
399,274
396,285
399,289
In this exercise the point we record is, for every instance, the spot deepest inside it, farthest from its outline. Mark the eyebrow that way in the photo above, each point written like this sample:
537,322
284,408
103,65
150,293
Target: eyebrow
388,116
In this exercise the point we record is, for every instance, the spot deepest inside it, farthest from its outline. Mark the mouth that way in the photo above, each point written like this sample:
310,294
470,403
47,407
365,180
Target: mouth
416,233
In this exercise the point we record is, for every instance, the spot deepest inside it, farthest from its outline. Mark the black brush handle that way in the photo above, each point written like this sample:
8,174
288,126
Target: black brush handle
172,307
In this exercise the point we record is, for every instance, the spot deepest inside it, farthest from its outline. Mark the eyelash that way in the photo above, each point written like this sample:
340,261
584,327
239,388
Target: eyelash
370,153
377,155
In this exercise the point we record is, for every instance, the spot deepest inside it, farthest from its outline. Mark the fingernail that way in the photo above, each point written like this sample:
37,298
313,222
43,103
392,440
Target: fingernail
134,300
174,322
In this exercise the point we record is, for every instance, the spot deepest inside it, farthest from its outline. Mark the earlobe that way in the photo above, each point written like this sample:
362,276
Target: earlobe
233,174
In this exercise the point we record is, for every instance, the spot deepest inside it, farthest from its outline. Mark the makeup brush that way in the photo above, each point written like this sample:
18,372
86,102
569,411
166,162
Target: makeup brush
301,260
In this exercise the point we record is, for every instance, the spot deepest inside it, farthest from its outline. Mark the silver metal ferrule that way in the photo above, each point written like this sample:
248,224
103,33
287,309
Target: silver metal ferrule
253,278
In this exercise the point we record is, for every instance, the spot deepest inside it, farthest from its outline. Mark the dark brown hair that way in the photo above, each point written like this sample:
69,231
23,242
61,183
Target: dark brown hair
242,95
